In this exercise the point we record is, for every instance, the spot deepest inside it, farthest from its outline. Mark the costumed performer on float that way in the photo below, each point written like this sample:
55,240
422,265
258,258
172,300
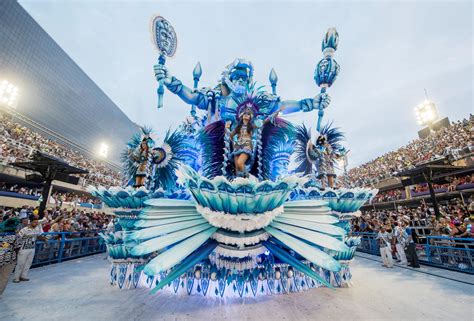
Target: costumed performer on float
153,166
136,157
243,135
246,144
323,153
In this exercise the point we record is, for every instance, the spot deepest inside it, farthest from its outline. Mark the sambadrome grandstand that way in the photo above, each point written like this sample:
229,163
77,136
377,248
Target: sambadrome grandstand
64,113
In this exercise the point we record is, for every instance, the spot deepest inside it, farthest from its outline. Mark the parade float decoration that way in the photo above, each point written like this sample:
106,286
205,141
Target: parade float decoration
216,208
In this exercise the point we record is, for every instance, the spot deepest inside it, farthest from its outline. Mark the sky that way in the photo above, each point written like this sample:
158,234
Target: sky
389,52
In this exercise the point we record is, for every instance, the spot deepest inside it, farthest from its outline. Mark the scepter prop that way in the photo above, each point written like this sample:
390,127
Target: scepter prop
326,72
197,73
164,38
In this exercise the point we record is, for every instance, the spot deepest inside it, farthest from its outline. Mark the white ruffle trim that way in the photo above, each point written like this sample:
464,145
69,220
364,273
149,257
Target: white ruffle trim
240,241
357,213
241,253
239,222
251,254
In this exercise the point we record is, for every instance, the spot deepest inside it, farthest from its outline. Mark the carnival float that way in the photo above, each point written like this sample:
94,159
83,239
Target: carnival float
237,201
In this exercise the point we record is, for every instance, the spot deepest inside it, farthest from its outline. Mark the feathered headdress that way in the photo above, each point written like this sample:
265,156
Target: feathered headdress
212,138
333,136
302,137
144,134
254,99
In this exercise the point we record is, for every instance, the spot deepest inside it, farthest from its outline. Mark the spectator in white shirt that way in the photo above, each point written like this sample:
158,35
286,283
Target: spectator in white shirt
27,236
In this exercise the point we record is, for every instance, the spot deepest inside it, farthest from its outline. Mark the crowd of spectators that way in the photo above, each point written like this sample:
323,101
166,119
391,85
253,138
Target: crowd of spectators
20,189
399,193
60,220
454,220
56,197
60,198
389,196
450,140
18,142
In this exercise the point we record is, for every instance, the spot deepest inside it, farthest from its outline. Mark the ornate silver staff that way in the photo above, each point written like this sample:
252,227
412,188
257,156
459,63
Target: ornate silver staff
164,38
326,72
197,73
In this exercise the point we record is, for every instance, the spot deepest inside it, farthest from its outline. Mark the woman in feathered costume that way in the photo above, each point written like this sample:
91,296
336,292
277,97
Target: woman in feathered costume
143,159
243,135
136,157
250,141
323,154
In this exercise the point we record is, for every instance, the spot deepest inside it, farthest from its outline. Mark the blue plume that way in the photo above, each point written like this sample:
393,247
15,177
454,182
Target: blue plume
334,136
164,176
302,137
211,139
273,136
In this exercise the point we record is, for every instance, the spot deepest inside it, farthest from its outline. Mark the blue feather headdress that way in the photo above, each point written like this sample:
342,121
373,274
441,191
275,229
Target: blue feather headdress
256,99
333,136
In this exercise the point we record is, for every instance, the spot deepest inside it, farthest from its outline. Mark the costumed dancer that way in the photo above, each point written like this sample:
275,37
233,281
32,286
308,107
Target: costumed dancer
154,166
136,158
249,140
243,135
323,154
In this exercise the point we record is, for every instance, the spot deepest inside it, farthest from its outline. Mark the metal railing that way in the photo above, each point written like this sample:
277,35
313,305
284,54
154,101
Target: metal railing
441,251
64,246
450,252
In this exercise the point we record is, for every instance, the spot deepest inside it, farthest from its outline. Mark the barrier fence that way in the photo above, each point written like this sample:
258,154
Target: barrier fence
67,245
441,251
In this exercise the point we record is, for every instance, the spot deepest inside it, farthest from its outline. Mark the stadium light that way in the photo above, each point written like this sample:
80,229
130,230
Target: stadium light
426,113
8,94
103,150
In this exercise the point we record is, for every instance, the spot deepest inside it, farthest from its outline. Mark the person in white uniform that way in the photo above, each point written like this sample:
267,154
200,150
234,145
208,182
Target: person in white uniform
401,241
385,243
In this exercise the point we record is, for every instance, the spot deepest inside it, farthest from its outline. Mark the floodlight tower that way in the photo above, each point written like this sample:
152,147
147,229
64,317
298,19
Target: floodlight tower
426,113
8,94
428,117
103,150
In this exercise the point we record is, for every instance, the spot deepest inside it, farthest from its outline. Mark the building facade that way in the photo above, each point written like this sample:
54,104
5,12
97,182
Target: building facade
54,91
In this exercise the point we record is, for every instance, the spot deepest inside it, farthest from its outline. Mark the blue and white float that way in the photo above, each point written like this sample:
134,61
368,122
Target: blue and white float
195,219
